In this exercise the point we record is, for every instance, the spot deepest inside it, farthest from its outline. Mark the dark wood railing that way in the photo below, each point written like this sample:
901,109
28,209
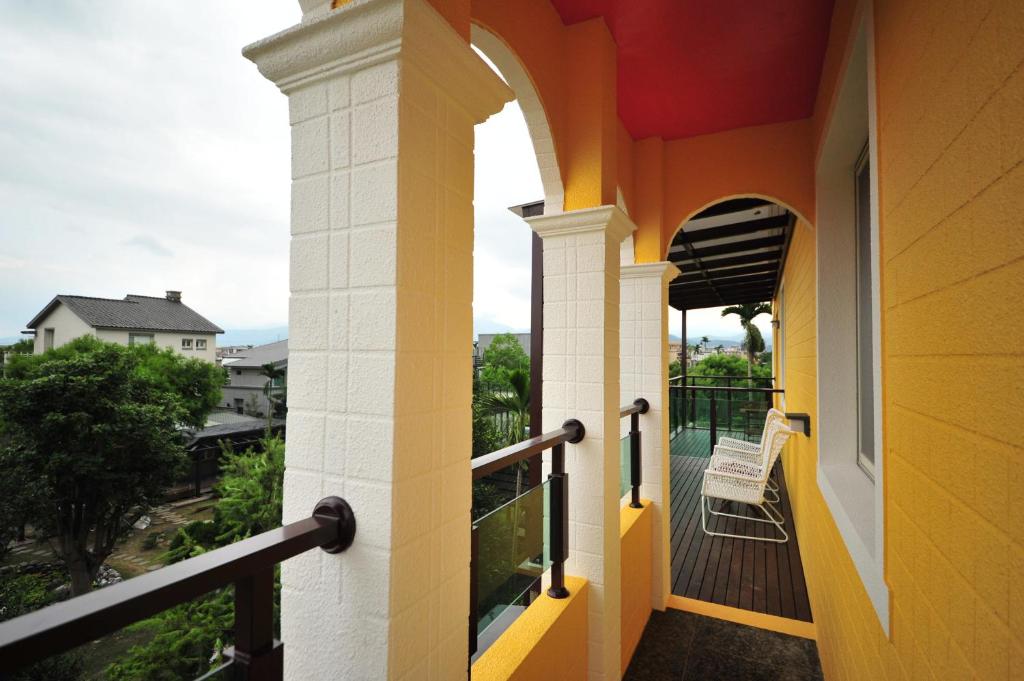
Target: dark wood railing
682,395
248,564
633,411
571,432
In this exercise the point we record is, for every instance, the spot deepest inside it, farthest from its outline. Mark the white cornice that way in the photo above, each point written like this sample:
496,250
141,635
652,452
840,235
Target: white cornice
664,270
608,219
365,32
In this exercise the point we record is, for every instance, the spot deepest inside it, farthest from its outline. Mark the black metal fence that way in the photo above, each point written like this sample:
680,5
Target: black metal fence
735,410
507,545
632,462
248,565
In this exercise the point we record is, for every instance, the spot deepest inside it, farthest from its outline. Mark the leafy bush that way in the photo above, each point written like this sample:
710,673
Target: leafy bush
23,593
188,638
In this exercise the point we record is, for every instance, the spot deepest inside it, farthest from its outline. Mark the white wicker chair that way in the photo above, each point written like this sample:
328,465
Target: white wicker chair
751,452
730,479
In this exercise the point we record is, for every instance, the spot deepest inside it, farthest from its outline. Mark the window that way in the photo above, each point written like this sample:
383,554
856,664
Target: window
238,372
186,343
47,339
851,455
139,338
200,343
865,318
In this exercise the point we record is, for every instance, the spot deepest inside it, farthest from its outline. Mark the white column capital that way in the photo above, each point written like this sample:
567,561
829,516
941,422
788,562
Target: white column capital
362,33
610,220
664,270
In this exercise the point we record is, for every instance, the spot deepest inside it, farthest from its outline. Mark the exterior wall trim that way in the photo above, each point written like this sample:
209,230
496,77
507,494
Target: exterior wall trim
610,219
376,31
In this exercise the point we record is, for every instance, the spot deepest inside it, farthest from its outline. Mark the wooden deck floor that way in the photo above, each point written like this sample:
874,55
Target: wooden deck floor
757,576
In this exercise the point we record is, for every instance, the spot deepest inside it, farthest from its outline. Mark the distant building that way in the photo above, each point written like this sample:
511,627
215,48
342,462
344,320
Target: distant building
245,384
166,321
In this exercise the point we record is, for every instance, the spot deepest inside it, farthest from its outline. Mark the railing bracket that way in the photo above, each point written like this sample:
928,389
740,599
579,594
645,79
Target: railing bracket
338,509
574,425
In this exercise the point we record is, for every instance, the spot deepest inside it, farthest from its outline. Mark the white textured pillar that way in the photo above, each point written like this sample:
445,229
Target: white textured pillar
383,96
581,380
644,352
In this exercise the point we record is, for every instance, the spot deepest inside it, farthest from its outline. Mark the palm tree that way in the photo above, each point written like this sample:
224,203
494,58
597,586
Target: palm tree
719,349
704,340
272,373
515,405
752,340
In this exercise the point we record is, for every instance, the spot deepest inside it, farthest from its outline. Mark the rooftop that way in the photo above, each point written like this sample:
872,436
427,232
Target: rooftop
146,313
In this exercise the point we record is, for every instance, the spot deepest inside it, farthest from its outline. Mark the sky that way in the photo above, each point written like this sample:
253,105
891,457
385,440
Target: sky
140,152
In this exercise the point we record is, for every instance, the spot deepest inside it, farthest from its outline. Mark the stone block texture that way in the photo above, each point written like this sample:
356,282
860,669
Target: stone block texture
381,310
643,351
581,380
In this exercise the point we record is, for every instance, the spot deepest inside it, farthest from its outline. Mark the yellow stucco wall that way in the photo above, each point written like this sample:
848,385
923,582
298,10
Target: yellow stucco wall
950,98
635,535
548,641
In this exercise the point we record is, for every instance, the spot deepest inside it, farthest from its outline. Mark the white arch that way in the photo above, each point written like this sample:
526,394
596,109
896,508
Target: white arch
536,120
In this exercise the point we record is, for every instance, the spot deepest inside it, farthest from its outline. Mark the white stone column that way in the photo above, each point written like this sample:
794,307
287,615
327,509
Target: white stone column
644,352
581,380
383,96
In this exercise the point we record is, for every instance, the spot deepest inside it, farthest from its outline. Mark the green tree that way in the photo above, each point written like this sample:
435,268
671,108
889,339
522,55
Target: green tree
27,592
503,356
19,498
195,383
96,426
272,374
753,343
187,637
724,365
704,340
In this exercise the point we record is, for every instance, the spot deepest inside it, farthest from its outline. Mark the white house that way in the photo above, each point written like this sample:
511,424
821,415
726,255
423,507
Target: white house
245,382
135,319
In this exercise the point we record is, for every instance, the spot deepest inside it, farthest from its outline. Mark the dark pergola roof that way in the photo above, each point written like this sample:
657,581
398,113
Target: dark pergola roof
730,253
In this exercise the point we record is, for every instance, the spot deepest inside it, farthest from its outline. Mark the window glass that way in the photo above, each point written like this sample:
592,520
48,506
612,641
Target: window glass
186,343
138,338
865,320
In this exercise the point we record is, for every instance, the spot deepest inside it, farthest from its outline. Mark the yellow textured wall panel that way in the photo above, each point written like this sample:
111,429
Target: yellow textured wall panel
635,535
548,641
950,96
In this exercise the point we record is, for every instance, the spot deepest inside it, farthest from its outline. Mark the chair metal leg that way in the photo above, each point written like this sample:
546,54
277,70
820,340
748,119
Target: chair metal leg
705,508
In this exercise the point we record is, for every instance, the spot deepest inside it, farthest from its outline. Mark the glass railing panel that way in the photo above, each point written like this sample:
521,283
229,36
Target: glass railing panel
624,467
513,552
224,671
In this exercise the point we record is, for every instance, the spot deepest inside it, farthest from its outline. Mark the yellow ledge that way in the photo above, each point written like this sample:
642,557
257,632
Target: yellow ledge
782,625
549,640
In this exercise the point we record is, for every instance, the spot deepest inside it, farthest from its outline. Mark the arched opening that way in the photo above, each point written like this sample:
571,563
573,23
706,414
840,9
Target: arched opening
731,254
516,176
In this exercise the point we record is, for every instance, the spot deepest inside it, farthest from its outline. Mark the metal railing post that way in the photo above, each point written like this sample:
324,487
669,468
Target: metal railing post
728,384
257,655
559,519
635,452
474,585
712,423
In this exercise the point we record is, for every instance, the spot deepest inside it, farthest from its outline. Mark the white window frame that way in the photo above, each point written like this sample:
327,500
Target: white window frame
133,338
186,343
49,338
856,502
200,343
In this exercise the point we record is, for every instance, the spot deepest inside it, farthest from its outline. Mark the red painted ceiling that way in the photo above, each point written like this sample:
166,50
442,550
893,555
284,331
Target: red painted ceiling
691,67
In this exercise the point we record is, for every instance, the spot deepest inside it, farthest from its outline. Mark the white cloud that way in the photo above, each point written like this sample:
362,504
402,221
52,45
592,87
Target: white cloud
131,130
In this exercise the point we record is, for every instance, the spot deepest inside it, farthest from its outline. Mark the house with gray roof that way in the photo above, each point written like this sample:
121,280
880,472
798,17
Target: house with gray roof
245,387
166,321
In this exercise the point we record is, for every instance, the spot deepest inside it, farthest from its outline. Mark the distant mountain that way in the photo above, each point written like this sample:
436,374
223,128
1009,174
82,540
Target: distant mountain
252,336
